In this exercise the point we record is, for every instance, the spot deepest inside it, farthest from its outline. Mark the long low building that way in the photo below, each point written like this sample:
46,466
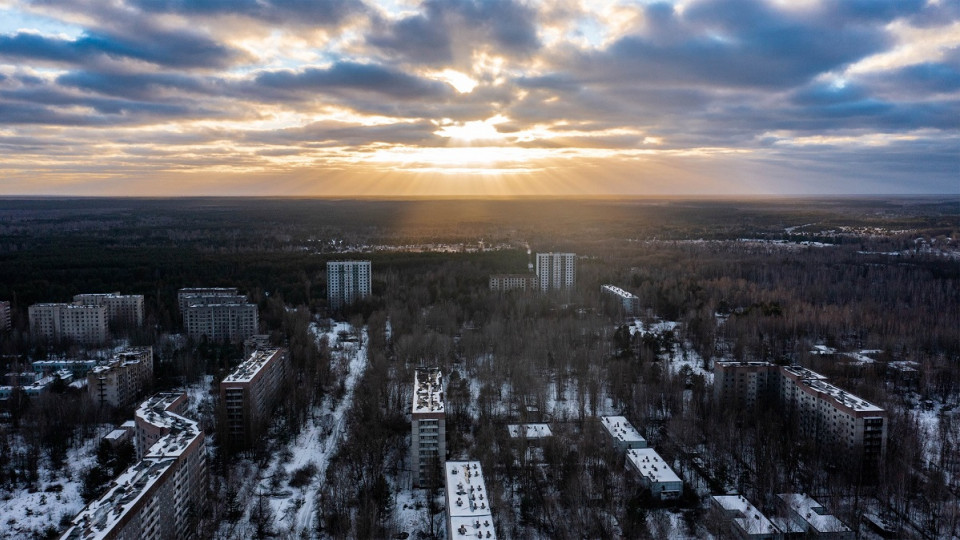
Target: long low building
655,474
742,520
624,435
468,506
812,519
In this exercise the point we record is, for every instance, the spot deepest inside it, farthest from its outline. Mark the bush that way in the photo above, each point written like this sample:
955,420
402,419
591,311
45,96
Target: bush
302,476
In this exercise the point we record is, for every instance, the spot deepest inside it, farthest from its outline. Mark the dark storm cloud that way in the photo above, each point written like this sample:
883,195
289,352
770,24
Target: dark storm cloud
285,84
322,12
431,37
181,49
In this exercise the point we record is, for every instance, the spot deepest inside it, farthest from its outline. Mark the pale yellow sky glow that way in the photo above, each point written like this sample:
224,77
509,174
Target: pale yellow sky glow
478,97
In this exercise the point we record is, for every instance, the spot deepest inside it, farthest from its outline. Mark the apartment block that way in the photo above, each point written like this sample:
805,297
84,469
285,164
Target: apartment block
217,314
622,432
162,495
122,379
4,315
513,282
249,393
825,412
83,324
347,282
123,310
429,446
468,507
556,271
628,301
655,474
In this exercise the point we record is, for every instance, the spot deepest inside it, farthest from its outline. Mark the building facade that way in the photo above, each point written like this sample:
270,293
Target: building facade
347,282
249,393
123,310
123,379
629,302
4,315
428,422
825,413
217,314
164,494
513,282
556,271
84,324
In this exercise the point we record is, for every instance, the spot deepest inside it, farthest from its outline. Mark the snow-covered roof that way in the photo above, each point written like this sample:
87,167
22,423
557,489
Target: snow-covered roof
843,397
467,503
745,515
613,289
181,431
620,429
530,431
649,463
249,368
98,519
428,390
813,513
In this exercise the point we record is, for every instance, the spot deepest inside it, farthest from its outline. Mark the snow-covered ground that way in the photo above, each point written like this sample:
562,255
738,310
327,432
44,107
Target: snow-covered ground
24,512
319,439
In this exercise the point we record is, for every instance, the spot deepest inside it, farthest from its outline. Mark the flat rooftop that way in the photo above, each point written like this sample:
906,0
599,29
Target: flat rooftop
618,291
467,504
745,515
813,513
843,397
428,391
620,429
530,431
249,368
649,463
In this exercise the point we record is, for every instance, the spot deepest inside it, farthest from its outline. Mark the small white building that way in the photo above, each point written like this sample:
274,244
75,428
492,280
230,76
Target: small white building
743,520
811,517
468,507
530,432
624,435
655,474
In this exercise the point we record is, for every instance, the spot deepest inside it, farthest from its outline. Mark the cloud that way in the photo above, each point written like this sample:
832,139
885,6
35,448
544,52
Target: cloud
346,76
295,12
181,49
448,31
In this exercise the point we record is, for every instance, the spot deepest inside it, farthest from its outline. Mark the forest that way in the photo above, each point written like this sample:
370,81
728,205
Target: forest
854,289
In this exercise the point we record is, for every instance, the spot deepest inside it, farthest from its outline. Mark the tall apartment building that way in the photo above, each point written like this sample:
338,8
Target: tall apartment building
556,270
84,324
161,496
249,393
123,378
511,282
825,412
629,301
468,506
428,424
4,315
217,314
122,309
347,282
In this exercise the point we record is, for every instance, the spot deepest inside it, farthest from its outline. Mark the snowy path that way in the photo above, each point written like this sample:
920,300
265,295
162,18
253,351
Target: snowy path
317,442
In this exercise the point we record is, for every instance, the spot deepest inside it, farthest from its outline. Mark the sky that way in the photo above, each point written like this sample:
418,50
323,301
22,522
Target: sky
479,97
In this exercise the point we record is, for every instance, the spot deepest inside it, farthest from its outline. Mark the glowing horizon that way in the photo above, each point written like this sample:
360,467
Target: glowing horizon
479,97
